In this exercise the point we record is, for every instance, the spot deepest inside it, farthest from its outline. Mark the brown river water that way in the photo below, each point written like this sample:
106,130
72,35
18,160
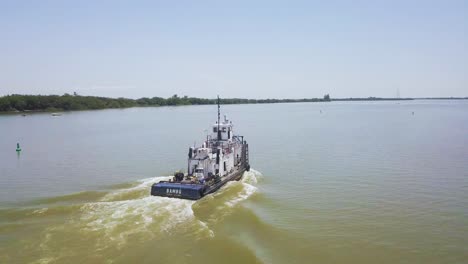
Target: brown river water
339,182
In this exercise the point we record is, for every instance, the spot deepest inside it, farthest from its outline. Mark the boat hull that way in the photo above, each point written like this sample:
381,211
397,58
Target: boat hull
193,191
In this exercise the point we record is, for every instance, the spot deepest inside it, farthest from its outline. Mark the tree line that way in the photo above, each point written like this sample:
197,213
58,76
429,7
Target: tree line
67,102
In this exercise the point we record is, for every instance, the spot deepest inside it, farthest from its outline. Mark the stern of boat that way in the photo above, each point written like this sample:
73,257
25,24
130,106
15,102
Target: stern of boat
178,190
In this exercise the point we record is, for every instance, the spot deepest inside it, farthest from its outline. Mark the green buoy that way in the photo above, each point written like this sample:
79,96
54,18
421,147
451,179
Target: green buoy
18,149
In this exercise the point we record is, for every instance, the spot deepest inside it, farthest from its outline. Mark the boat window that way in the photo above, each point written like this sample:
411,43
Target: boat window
224,129
215,129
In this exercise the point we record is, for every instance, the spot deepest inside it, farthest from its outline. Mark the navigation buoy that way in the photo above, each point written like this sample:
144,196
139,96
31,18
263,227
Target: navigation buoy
18,149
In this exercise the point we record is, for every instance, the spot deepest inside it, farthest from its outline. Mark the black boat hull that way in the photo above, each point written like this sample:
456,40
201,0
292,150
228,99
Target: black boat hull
193,191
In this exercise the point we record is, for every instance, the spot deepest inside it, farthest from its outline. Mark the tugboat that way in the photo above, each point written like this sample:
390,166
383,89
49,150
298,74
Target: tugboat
221,158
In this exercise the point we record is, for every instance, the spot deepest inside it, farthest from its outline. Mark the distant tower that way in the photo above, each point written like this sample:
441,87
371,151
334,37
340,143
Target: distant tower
398,93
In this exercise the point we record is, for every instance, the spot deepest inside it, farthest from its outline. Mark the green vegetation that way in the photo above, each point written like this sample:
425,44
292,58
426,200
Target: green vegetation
66,102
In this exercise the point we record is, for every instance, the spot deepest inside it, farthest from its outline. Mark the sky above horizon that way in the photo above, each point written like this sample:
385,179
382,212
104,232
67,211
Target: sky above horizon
246,49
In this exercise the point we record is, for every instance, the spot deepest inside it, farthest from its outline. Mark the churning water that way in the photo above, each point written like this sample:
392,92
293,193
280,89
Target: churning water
333,183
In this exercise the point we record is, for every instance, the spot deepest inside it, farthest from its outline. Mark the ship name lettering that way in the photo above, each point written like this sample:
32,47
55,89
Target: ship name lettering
173,191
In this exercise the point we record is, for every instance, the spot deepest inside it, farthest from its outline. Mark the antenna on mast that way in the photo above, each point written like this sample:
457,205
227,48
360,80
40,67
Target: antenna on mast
219,115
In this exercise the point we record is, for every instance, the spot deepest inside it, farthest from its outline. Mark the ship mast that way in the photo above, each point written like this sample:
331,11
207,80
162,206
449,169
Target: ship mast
219,115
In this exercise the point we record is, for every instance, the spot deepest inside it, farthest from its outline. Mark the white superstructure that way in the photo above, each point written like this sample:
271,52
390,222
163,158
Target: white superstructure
218,155
221,158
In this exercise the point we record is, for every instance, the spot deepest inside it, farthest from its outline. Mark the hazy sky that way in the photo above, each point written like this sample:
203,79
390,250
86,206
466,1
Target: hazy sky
249,49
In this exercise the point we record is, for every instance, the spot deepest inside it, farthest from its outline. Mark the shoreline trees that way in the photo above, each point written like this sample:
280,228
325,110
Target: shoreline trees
67,102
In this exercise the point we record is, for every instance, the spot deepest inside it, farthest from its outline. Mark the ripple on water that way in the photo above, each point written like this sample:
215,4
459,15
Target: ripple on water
113,218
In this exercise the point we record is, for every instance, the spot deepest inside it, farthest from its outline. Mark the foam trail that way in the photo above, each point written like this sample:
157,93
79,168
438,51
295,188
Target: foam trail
251,177
234,192
124,212
138,191
145,216
116,218
248,189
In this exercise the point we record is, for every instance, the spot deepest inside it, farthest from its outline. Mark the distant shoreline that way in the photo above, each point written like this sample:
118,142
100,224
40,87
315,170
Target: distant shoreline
54,103
398,99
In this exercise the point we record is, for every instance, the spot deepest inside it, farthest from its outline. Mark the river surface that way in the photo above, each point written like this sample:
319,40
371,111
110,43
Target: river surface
339,182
